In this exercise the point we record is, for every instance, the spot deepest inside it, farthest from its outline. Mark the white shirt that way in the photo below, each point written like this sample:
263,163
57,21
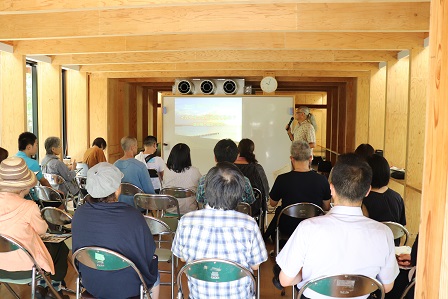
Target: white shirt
341,242
189,178
156,163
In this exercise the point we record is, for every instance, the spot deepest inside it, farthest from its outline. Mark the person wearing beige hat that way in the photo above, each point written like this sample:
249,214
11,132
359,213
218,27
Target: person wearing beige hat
21,219
105,222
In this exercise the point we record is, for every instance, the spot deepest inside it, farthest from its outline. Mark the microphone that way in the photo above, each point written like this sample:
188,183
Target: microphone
289,124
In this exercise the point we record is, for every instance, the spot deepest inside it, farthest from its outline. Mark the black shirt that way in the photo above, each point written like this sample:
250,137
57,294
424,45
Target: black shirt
387,206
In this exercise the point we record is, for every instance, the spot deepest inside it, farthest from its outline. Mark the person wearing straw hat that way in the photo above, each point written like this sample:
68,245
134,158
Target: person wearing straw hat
21,219
105,222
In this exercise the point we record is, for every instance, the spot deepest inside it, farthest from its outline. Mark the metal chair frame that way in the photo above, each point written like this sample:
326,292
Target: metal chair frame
47,194
239,271
8,244
55,181
98,258
262,217
398,231
179,192
343,286
245,208
81,181
57,217
130,189
160,228
156,202
407,289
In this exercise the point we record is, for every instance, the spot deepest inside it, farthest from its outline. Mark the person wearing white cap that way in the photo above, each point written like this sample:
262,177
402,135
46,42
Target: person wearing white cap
103,221
20,219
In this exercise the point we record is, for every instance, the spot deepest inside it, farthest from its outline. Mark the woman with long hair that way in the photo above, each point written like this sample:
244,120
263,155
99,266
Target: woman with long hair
180,173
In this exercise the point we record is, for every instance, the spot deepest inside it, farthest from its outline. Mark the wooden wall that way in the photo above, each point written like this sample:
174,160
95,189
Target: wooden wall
12,100
377,108
77,114
432,272
49,104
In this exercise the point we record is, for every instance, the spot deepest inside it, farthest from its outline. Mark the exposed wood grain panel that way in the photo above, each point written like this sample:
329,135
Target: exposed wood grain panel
49,103
116,109
412,202
14,6
133,110
139,115
12,99
351,107
419,66
362,110
377,108
352,16
433,243
144,108
98,119
397,98
77,114
397,186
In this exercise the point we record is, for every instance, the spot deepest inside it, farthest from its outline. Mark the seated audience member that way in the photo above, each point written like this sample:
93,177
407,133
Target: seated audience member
154,163
21,219
134,172
364,150
249,166
28,147
103,221
358,245
3,154
407,263
225,151
180,173
382,203
95,154
218,231
301,184
52,164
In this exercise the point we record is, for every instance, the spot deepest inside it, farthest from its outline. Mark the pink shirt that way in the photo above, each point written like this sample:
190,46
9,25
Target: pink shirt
21,220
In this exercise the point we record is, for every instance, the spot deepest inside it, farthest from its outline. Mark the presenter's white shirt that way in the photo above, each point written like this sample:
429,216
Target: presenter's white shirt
341,242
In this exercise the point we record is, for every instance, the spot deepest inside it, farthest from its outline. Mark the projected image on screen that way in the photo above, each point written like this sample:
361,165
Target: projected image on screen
212,118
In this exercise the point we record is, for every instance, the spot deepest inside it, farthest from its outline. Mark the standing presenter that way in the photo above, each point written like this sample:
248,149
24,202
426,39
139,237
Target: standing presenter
305,129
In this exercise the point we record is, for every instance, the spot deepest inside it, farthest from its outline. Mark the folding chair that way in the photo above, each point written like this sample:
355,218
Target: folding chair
9,244
81,181
55,181
159,203
58,219
245,208
160,228
261,216
179,193
302,210
49,197
82,169
130,189
103,259
399,231
215,271
343,286
410,288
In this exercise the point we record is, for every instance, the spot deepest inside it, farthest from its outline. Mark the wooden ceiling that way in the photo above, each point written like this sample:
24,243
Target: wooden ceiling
149,42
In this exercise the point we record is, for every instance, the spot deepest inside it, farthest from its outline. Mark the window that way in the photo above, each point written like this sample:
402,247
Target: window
31,97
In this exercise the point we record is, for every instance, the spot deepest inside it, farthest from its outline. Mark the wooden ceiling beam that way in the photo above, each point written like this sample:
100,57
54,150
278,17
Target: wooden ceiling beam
266,17
29,6
225,56
230,74
267,66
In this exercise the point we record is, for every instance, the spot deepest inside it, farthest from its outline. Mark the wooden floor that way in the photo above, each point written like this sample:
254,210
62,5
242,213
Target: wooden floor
268,291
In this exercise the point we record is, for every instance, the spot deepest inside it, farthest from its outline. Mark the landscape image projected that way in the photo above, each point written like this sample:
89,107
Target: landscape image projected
211,118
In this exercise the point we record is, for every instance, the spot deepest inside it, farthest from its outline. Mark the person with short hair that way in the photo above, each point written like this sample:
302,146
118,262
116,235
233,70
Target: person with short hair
301,184
52,164
95,154
225,151
134,172
364,150
28,147
103,221
218,231
382,203
358,245
154,163
21,220
180,173
306,127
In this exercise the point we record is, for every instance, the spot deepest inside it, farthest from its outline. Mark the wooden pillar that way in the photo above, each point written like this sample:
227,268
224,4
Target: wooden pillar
377,108
12,100
432,271
362,110
49,103
98,107
396,111
77,114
